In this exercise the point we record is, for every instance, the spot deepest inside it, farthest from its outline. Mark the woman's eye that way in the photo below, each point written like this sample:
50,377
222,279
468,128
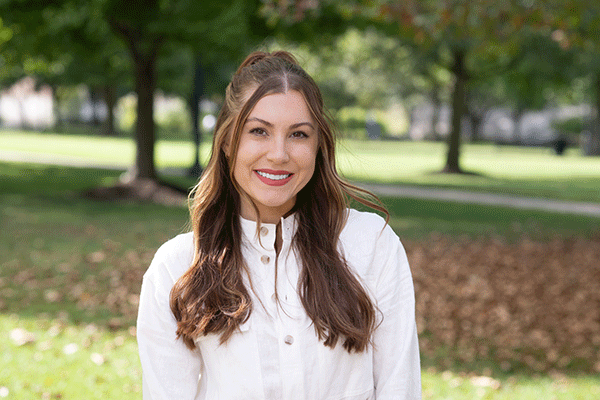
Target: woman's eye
258,131
299,134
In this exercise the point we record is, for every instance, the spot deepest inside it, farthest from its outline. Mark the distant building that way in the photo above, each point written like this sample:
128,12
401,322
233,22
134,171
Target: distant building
498,125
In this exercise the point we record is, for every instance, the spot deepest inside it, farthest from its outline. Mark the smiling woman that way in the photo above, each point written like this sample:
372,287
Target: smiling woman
281,291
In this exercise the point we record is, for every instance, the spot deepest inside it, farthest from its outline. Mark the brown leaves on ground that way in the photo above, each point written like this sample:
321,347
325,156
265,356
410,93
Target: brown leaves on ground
528,304
103,284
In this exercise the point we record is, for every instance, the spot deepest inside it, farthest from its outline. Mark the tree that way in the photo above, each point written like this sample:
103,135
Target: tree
62,45
468,37
577,24
361,67
540,75
471,38
23,21
145,25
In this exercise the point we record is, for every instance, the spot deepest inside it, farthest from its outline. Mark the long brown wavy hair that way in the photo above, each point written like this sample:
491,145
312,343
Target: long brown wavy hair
211,296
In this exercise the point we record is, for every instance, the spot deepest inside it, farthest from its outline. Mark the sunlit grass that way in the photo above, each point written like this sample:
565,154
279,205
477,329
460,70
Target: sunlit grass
56,359
110,151
447,385
535,172
70,272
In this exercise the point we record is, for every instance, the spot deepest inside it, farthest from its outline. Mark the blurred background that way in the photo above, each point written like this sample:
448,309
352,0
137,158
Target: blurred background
477,122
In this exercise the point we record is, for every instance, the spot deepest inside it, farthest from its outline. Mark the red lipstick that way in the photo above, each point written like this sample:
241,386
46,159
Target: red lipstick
273,177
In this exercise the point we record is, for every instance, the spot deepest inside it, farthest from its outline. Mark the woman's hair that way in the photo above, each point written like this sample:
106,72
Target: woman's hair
211,296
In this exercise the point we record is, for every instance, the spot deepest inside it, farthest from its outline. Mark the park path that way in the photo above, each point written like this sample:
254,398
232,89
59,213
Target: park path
460,196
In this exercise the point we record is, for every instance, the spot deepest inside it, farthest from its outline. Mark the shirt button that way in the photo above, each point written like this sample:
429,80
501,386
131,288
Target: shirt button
289,339
265,259
264,231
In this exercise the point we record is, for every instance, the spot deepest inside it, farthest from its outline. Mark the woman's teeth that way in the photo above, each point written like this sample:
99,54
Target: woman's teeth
273,177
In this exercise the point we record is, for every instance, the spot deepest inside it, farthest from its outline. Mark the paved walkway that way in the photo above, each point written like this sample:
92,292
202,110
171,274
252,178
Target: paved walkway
525,203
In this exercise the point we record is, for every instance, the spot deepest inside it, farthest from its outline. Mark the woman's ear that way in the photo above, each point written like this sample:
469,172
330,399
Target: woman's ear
226,147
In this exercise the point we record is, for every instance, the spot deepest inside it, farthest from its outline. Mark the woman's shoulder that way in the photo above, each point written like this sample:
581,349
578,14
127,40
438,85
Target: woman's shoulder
368,243
364,223
172,258
366,232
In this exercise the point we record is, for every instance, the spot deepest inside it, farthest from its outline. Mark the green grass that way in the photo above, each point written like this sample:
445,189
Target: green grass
70,271
55,284
535,172
417,219
68,361
452,386
110,151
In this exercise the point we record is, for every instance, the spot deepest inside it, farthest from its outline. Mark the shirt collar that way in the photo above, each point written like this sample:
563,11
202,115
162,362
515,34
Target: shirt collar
266,240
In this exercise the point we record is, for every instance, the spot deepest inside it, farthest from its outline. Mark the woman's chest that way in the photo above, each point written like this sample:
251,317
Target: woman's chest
276,354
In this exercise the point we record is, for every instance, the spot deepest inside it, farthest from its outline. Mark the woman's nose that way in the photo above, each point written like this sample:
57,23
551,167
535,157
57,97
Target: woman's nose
278,151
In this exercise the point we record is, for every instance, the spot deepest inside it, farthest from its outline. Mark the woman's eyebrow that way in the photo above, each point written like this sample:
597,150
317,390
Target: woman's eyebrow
262,121
299,124
293,126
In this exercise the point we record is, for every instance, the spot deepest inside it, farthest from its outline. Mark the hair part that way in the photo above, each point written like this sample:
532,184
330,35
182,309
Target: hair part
211,297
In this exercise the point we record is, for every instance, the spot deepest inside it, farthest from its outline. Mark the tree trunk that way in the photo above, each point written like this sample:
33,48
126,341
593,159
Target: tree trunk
110,98
58,120
436,115
518,119
143,51
197,93
145,82
593,146
476,123
94,100
458,110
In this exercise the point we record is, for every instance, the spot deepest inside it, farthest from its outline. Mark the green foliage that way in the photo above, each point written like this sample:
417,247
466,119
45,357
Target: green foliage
363,68
351,122
103,43
174,124
570,126
5,33
469,38
125,113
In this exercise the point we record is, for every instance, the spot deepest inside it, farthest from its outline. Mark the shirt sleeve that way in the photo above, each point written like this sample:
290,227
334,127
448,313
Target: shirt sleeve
396,362
170,369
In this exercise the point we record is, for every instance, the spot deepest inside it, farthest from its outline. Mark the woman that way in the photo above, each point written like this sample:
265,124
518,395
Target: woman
280,291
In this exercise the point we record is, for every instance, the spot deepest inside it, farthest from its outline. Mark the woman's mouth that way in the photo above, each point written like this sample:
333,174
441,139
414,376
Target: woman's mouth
274,178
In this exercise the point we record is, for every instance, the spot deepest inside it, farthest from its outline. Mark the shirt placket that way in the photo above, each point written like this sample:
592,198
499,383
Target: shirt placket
289,324
286,327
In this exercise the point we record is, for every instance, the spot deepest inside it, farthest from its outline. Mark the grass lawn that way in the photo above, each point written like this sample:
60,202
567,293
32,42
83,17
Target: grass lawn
70,271
535,172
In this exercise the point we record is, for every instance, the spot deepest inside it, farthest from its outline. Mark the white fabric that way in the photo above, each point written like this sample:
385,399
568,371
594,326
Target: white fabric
276,353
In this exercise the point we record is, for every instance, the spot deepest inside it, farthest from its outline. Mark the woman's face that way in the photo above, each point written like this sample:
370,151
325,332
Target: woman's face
276,155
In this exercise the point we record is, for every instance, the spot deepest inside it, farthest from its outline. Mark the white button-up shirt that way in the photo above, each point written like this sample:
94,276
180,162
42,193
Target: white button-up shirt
276,354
